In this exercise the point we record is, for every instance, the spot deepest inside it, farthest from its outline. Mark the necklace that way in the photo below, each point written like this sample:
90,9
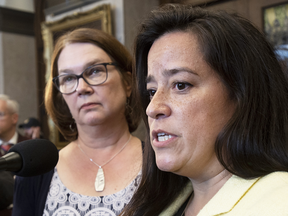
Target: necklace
100,179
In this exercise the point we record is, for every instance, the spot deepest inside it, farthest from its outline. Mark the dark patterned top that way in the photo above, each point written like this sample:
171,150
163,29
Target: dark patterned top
63,202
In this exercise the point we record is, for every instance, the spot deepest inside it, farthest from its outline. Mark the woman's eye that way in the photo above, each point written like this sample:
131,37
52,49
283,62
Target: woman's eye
151,93
92,72
181,85
95,71
67,79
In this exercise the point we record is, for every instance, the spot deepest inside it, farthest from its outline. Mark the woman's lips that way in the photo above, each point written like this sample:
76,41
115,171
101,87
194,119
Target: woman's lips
161,138
88,105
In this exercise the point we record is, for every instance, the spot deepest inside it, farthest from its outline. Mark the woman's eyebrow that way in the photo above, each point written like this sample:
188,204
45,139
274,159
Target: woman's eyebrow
178,70
171,72
93,62
88,64
65,71
150,79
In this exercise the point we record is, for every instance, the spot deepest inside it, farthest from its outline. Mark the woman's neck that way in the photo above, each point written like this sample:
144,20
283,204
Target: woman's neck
101,136
205,190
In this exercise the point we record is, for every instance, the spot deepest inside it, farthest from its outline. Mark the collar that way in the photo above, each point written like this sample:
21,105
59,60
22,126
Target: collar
225,200
13,140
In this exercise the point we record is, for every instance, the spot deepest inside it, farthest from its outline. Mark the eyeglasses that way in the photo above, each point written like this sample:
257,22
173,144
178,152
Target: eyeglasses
3,114
93,75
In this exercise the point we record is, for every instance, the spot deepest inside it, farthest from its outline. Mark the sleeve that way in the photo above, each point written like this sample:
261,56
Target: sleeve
30,194
23,201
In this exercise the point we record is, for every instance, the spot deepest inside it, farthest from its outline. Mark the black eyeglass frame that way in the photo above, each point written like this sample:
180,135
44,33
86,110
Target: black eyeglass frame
56,79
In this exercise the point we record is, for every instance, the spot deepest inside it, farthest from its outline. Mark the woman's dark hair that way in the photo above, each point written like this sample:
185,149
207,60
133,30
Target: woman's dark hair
55,105
253,143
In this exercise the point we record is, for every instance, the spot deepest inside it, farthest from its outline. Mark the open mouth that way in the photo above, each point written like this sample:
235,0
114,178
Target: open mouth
161,137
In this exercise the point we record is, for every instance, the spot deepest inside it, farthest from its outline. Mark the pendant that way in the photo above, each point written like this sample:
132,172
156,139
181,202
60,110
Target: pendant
100,180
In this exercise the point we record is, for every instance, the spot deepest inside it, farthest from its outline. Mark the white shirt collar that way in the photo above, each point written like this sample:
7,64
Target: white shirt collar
13,140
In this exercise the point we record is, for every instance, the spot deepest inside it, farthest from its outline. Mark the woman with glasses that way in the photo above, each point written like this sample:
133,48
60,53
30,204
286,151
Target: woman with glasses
91,98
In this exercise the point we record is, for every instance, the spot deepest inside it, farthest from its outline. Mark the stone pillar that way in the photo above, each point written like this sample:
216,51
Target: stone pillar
18,77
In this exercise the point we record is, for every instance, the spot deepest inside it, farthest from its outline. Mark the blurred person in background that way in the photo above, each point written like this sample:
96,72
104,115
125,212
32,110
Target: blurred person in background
31,128
9,114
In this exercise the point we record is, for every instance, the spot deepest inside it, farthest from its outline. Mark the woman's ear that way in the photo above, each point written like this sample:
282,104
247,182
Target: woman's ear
15,118
128,83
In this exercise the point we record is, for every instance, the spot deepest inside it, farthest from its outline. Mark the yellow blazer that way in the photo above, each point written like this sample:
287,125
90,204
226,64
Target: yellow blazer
264,196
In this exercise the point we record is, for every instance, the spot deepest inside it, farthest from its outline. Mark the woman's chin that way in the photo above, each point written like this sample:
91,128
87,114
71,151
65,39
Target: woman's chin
165,165
92,119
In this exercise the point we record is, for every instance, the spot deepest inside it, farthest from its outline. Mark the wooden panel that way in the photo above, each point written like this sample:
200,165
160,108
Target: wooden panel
14,21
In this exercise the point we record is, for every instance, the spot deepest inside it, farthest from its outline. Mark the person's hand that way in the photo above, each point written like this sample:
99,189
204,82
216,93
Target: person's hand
35,132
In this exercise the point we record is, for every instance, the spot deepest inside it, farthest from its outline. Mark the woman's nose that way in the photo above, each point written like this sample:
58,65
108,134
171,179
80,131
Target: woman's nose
159,106
83,87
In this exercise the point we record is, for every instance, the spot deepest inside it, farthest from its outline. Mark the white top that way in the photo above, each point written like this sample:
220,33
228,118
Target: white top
62,201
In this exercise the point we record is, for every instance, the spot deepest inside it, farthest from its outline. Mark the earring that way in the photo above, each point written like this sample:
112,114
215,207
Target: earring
72,126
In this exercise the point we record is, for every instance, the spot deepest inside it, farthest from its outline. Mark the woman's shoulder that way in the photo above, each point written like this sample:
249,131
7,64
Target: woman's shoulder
275,179
259,196
271,185
67,152
269,195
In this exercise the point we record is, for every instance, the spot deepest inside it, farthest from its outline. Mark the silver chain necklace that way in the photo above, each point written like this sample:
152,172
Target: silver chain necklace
100,179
